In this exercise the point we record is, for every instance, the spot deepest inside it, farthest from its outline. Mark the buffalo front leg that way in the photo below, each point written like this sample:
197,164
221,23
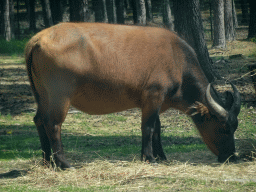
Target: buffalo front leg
153,99
157,144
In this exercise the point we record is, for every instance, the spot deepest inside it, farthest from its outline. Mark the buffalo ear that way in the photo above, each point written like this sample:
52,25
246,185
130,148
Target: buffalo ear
200,108
229,100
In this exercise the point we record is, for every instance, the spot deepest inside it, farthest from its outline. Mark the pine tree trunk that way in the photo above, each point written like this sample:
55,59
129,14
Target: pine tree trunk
234,14
2,17
134,11
12,20
252,23
56,10
167,16
47,13
86,10
120,11
32,16
111,11
100,10
228,20
149,14
141,12
219,29
245,12
188,24
7,21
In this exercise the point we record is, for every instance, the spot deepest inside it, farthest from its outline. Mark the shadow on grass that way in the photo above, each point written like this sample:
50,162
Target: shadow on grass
13,174
15,94
24,143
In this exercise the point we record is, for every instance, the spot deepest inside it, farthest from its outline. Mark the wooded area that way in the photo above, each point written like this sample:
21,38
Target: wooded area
20,18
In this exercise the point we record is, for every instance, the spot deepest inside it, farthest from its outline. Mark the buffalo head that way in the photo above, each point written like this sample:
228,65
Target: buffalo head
217,122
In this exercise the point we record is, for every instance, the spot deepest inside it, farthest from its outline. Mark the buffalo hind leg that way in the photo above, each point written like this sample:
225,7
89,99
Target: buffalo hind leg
58,108
157,145
45,143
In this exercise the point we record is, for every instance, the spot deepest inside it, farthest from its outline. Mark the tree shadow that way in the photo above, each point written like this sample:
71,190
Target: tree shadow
13,174
80,149
15,92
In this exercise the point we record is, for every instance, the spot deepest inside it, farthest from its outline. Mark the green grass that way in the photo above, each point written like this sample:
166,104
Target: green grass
91,141
13,46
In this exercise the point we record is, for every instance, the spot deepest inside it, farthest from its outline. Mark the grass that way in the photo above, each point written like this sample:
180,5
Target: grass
106,156
13,47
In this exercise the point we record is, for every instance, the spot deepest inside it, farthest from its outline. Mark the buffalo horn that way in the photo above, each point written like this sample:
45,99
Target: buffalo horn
235,109
215,108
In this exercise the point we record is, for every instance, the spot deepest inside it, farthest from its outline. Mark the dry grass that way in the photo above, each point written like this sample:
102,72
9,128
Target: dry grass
135,175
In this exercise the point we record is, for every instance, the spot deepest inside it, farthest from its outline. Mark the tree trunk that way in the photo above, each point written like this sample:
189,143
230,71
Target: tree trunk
105,11
234,14
7,21
228,20
252,23
86,11
47,13
111,11
56,10
18,18
149,14
2,18
100,10
32,16
134,11
120,11
12,20
167,16
245,12
219,29
141,12
188,24
78,10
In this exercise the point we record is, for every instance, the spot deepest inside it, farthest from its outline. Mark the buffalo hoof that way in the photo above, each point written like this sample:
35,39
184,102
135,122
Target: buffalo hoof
223,159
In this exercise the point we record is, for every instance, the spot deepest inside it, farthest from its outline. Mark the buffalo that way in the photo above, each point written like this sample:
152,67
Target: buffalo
105,68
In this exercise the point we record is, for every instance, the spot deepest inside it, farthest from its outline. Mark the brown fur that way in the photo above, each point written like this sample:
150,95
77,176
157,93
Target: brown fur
103,68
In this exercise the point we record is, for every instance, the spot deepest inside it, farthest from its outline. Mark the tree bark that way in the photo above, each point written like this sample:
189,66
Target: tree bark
56,10
111,11
79,10
234,14
219,27
2,17
32,16
228,20
245,12
86,11
252,23
47,13
188,24
167,16
100,10
141,12
12,20
149,14
134,11
7,21
120,11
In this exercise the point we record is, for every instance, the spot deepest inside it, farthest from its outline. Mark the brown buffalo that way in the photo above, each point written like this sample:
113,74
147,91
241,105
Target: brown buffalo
103,68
